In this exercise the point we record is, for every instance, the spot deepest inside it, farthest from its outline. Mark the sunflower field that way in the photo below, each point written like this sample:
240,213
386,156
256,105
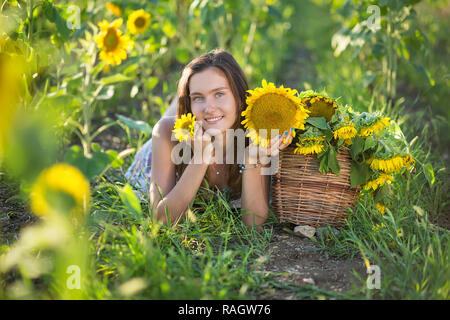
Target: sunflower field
82,83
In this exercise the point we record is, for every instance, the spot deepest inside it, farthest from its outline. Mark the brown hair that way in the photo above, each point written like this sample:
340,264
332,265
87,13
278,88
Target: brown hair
237,81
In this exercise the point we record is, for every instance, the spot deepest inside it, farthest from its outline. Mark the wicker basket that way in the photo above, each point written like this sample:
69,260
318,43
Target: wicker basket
303,196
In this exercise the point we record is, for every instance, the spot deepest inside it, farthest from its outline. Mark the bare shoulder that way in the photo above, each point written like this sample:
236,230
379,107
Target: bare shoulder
163,128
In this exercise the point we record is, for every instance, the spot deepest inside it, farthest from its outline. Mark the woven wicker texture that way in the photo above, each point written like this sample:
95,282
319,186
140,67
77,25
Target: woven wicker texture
303,196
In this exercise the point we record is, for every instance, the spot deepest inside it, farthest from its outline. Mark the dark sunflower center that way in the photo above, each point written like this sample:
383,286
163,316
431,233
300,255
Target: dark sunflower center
140,22
111,39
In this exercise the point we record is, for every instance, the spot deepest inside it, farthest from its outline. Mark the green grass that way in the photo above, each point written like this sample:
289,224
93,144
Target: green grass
210,255
213,255
413,254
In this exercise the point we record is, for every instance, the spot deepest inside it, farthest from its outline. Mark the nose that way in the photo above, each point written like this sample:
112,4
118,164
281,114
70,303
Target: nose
210,105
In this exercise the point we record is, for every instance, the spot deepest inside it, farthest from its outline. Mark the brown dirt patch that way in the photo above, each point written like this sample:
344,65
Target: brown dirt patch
300,262
13,214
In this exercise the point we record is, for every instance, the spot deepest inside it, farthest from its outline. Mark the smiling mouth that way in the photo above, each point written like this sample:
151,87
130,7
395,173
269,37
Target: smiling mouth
213,120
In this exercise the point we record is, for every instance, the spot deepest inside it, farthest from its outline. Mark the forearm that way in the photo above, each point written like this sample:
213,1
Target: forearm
176,202
254,198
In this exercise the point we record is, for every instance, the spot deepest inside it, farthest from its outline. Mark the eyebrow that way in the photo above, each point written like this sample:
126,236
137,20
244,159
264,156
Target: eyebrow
216,89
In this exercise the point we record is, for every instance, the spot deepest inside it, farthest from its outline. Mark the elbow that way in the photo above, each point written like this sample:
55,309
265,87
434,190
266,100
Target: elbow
255,217
165,215
161,213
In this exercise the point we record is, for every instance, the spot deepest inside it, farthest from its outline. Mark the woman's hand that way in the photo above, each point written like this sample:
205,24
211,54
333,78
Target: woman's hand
277,143
201,145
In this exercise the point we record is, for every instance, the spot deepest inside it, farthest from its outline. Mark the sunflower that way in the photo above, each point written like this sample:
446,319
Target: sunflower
376,127
345,131
319,105
114,9
309,148
138,21
62,187
390,165
378,182
184,127
112,42
271,108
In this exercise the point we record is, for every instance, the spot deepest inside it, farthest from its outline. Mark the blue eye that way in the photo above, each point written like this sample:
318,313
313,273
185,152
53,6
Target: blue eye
196,99
219,94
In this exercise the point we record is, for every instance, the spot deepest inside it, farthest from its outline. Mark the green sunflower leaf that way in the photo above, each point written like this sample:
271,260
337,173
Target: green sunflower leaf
333,163
357,147
385,192
369,143
139,125
318,122
359,173
323,161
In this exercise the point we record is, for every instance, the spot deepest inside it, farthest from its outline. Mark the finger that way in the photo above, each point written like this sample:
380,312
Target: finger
286,142
198,130
287,135
274,148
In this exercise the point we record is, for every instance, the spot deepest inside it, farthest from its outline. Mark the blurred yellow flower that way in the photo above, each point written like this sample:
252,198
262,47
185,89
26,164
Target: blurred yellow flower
115,10
62,187
112,43
138,21
184,127
380,207
12,69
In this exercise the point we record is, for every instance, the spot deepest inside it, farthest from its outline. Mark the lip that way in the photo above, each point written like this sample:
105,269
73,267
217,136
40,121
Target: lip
217,119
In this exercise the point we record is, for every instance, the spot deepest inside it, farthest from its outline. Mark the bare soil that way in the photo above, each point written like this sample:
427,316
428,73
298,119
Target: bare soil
13,213
301,262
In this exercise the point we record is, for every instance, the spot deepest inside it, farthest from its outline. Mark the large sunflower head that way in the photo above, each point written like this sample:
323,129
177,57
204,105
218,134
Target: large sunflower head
138,21
320,105
112,43
184,127
271,108
61,188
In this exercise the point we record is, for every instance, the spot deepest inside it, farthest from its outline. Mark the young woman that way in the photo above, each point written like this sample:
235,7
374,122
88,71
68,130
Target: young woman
213,88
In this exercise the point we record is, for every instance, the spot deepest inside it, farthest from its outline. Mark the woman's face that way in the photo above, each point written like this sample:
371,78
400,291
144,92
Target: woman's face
212,101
